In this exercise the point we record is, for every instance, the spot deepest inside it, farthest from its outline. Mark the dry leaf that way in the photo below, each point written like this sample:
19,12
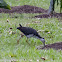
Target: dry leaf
43,58
21,34
10,32
36,21
10,28
7,20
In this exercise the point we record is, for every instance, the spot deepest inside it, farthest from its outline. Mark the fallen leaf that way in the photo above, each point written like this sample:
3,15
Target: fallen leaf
13,32
36,21
40,30
7,20
10,32
10,28
43,58
37,60
30,60
21,34
48,32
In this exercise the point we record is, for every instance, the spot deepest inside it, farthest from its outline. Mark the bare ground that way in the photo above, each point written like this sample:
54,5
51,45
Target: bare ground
34,9
30,9
24,9
54,46
57,15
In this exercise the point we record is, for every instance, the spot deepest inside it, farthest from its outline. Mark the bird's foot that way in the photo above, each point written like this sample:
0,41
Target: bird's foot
17,41
27,42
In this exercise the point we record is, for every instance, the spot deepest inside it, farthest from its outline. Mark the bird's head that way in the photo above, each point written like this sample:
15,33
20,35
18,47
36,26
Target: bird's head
19,27
43,40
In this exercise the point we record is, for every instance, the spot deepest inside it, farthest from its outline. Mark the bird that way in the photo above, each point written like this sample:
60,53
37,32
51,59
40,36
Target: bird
30,32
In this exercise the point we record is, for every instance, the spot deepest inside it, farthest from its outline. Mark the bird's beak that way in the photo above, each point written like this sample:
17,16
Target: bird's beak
43,41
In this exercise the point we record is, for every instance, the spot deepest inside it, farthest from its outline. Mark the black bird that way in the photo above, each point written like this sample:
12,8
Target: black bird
30,32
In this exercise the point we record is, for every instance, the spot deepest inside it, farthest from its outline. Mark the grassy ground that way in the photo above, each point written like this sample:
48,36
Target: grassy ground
9,49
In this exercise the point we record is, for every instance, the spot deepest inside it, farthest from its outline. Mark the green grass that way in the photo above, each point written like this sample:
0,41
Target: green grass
9,49
39,3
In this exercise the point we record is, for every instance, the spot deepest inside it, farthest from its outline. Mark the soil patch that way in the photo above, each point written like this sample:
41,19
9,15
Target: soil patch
24,9
54,46
30,9
57,15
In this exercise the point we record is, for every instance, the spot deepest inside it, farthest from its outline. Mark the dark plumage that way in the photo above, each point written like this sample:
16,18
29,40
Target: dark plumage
30,32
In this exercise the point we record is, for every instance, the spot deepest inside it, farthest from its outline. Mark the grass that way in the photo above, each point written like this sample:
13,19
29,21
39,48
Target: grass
22,52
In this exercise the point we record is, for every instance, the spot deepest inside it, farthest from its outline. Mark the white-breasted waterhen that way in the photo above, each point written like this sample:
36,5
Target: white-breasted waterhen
30,32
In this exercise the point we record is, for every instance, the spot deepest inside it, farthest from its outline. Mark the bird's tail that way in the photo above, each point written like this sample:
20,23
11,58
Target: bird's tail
20,25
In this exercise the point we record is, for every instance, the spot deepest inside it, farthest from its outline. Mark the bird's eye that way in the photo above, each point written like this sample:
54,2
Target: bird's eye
43,38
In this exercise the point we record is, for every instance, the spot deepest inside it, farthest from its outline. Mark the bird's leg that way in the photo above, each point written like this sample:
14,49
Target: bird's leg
18,41
20,38
27,40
